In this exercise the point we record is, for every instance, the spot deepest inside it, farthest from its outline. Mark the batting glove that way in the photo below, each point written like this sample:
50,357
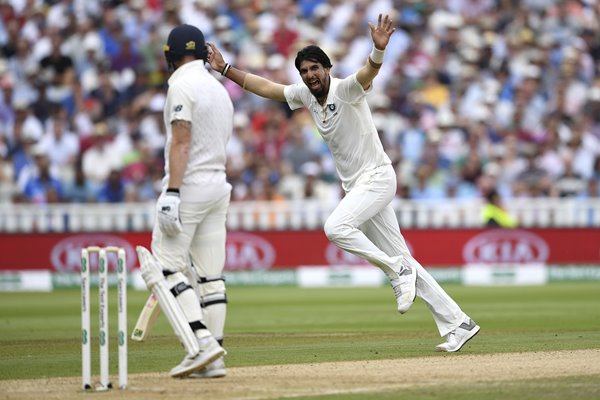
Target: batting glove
167,209
150,268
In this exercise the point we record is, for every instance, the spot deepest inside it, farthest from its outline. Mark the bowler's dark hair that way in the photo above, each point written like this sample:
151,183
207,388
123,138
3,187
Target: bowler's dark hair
312,53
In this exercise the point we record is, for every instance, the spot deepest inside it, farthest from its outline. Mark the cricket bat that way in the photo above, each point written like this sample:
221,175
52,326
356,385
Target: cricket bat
146,320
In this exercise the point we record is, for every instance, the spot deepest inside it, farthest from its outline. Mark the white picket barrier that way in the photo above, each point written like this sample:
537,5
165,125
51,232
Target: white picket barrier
293,215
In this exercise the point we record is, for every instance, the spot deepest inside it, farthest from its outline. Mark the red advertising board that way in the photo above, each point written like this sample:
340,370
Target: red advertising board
261,250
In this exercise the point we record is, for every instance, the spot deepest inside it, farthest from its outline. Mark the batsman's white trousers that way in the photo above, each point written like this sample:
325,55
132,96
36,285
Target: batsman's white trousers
364,224
203,238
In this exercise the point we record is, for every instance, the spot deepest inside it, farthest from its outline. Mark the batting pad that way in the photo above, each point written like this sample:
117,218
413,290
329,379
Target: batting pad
169,305
172,310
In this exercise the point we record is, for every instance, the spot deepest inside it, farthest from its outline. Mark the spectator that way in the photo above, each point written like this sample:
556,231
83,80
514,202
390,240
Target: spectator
59,144
107,95
533,181
570,183
315,188
494,215
79,189
284,36
115,189
42,187
296,150
412,140
128,57
27,131
100,159
151,124
427,185
57,68
24,123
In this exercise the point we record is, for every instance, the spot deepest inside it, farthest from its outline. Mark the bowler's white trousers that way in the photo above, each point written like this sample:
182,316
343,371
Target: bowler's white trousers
365,224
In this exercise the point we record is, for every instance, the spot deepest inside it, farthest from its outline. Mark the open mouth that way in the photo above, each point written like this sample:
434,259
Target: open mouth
314,85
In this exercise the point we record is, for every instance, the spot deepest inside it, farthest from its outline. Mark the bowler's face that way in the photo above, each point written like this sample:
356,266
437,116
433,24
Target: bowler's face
315,77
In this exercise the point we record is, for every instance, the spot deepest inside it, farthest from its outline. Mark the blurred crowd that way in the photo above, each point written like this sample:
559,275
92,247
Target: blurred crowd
474,96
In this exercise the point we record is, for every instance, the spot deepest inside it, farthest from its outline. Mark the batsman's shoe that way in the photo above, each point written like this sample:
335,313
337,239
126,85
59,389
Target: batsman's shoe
210,350
404,284
456,339
215,369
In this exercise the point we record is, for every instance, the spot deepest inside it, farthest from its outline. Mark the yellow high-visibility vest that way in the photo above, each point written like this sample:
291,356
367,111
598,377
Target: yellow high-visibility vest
494,215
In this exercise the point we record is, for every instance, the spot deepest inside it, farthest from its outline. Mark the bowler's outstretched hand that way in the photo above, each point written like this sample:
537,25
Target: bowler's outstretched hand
215,58
381,32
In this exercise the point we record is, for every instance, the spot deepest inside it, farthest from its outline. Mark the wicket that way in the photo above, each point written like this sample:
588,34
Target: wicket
86,356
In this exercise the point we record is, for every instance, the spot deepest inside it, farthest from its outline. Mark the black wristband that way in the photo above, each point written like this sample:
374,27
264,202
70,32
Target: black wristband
173,190
225,69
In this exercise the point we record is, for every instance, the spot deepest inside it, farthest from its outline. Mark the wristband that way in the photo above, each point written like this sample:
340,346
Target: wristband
377,55
173,190
225,69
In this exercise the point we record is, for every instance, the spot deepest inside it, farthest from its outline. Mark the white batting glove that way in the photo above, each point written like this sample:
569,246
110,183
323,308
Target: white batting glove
167,210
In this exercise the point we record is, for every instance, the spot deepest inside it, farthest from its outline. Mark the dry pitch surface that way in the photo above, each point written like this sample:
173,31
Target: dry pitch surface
281,381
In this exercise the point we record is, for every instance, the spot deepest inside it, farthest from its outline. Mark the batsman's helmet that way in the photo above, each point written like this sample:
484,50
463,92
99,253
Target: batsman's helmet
185,40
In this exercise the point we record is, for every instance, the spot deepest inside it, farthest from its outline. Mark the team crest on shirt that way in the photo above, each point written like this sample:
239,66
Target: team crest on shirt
322,112
178,108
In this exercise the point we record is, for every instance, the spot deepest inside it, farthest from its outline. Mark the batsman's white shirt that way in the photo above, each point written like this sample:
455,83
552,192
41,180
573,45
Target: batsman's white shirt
195,96
346,125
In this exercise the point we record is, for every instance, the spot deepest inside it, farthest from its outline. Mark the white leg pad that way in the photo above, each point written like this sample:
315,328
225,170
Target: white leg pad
214,305
214,316
192,277
152,274
187,300
176,317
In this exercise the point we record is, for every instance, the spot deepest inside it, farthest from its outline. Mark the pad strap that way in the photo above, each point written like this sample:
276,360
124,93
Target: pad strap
211,279
197,325
180,288
215,298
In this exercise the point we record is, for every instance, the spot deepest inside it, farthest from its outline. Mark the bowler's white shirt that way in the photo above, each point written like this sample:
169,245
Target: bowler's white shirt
194,95
346,125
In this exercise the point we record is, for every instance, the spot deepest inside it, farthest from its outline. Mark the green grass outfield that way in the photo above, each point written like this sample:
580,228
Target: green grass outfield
40,332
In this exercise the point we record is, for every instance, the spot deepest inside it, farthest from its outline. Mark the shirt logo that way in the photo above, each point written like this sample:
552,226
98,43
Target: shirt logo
178,108
331,107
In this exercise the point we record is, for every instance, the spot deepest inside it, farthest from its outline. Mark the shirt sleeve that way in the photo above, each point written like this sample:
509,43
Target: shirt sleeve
180,103
293,95
350,91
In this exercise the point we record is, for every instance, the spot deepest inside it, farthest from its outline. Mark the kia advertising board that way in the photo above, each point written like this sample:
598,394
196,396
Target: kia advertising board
267,251
501,246
264,250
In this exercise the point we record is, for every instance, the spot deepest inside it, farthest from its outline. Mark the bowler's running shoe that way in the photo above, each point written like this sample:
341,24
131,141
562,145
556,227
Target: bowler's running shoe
210,350
215,369
458,337
405,289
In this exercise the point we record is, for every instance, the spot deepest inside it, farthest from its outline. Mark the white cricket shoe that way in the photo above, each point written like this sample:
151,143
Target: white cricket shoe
215,369
210,350
456,339
404,284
